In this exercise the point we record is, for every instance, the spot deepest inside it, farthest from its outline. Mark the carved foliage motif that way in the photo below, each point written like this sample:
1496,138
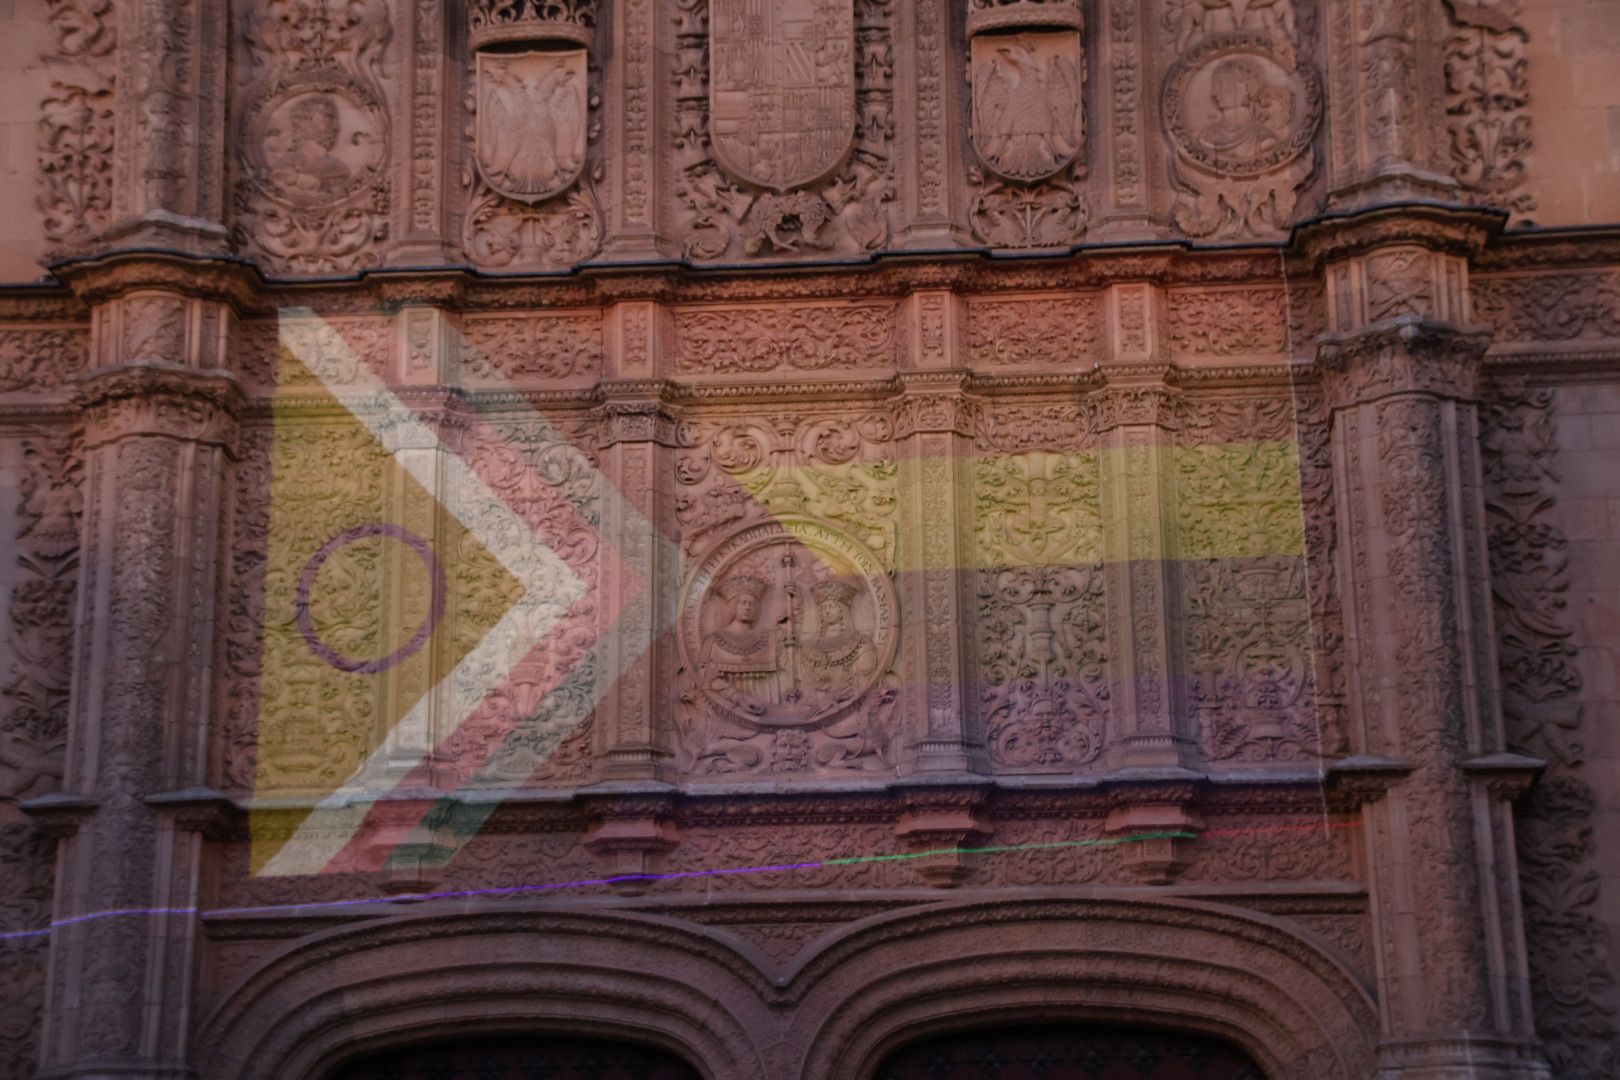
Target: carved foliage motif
1043,653
1487,94
1241,108
33,725
313,191
1243,582
1034,331
40,359
532,346
77,123
1577,1003
774,178
769,338
789,626
1548,307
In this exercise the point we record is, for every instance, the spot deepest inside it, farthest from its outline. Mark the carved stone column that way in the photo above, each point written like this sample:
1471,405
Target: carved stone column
1136,414
639,581
928,90
638,109
934,420
1387,95
1429,769
159,423
430,127
169,171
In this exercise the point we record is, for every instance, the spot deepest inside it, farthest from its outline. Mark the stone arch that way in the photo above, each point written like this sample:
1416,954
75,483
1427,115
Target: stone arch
346,992
1267,988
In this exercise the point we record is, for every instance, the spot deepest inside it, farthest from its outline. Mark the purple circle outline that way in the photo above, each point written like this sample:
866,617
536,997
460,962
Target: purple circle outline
306,580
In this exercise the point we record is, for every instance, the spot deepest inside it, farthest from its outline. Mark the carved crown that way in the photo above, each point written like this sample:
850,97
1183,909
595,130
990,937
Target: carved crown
494,22
987,15
742,585
841,592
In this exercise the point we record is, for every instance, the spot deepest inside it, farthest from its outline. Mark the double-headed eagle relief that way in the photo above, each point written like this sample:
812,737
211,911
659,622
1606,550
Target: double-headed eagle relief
531,121
781,88
1026,102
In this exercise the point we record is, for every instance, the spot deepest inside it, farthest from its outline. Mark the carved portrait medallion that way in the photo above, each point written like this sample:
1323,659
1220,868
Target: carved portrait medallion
781,88
788,624
1235,107
1026,102
532,118
316,143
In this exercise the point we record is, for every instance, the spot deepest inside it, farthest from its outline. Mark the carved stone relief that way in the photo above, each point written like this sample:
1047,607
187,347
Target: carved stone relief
1026,72
33,726
808,337
789,623
535,105
77,124
784,123
313,189
1241,108
1487,97
1577,1002
1041,616
1247,616
1025,331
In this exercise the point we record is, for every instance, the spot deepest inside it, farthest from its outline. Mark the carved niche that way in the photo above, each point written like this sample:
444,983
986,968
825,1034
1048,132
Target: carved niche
1241,108
784,122
534,104
789,624
313,192
1026,69
1042,644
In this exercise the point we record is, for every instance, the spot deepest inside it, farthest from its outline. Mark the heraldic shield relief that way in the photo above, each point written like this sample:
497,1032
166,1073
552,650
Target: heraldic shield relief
781,88
1026,102
531,121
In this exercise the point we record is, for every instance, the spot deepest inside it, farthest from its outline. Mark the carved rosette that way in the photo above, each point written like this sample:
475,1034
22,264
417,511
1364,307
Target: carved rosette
1026,71
313,189
535,119
784,126
1241,108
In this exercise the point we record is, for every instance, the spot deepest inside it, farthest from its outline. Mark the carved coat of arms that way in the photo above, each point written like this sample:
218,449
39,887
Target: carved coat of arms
1026,102
781,88
532,118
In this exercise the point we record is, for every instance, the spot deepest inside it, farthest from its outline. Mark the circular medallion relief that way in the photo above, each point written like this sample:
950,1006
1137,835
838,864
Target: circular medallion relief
788,624
1236,108
317,143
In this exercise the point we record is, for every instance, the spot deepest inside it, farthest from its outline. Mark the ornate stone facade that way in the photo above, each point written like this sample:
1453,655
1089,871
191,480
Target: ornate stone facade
665,520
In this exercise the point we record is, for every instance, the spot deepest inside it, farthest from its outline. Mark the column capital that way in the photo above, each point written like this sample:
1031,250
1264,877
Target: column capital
1408,356
147,398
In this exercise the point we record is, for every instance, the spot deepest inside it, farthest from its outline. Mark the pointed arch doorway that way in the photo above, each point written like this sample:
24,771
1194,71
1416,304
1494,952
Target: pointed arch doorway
1068,1052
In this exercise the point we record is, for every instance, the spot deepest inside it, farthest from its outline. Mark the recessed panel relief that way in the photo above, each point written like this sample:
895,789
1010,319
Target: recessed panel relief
532,116
784,125
1026,102
1241,107
1026,126
781,88
316,144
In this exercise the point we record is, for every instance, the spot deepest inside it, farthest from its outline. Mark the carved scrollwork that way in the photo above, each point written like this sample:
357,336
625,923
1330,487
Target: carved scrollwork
1577,1002
753,180
313,191
1487,95
77,123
